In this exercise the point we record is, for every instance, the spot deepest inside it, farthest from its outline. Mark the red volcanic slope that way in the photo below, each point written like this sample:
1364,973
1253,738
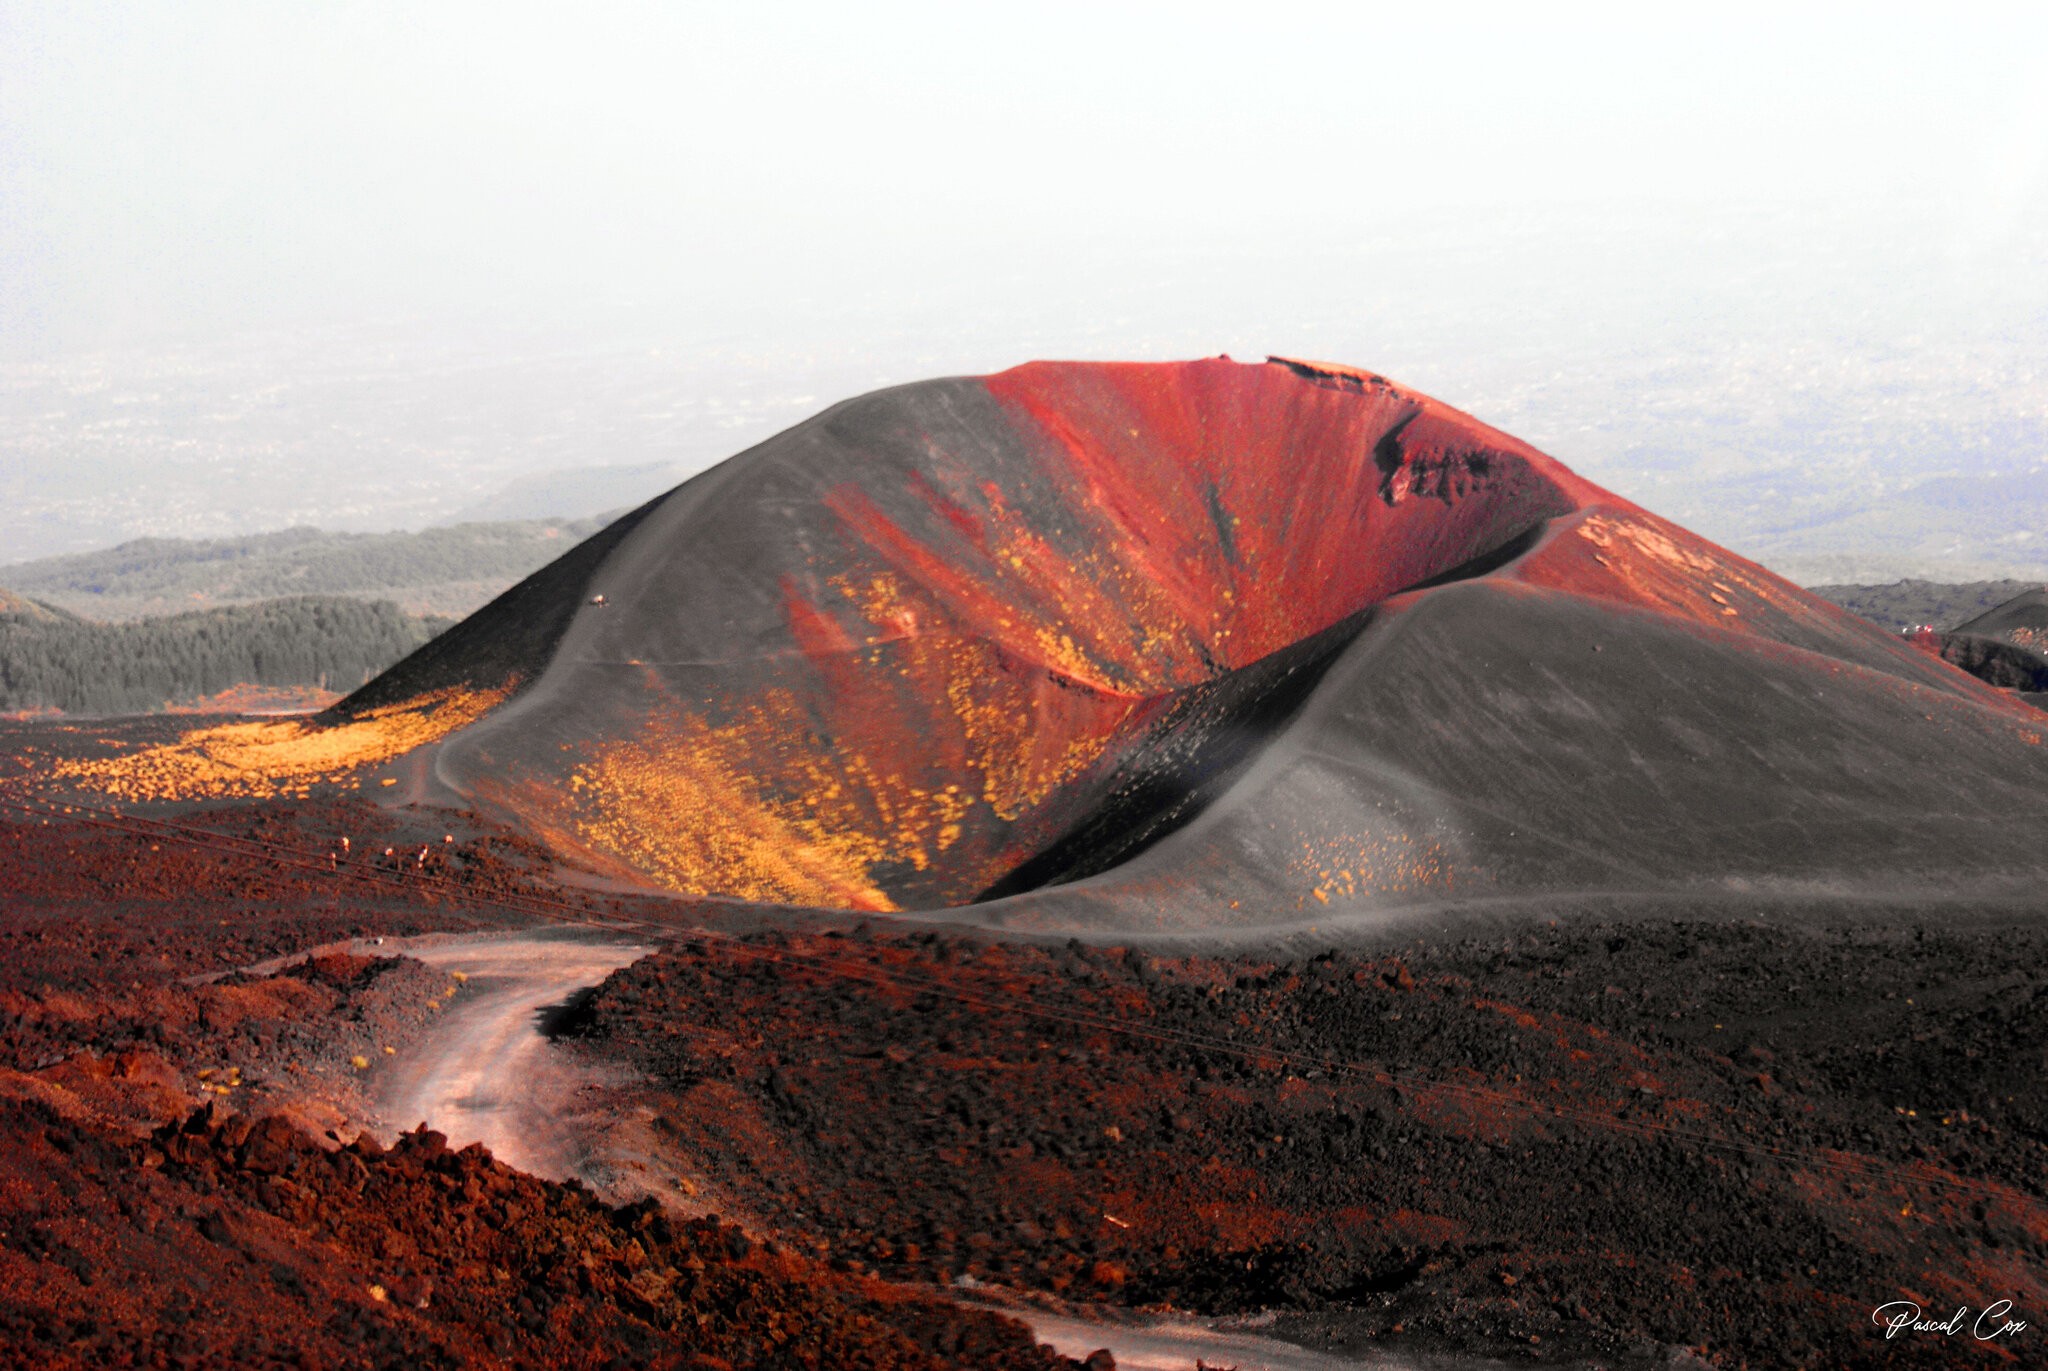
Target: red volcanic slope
983,633
885,658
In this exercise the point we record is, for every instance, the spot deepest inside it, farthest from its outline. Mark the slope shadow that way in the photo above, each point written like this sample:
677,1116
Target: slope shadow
568,1018
1995,661
1202,740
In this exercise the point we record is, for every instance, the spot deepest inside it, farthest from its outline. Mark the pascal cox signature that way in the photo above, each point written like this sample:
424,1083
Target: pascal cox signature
1903,1316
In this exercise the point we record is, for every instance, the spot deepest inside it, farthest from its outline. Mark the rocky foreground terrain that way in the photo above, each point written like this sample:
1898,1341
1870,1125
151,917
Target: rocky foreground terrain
175,1190
1598,1143
1595,1139
1324,865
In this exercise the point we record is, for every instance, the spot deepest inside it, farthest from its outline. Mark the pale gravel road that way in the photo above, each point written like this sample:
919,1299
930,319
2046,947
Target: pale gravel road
485,1073
1179,1344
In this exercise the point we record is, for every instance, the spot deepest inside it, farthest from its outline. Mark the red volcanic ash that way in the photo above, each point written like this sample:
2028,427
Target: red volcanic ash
226,1241
1488,1144
135,1232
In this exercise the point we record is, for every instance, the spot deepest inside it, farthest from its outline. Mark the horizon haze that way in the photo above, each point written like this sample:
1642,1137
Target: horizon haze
365,269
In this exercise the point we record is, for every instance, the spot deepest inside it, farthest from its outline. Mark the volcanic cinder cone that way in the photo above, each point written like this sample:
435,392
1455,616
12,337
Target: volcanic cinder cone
1207,644
2022,620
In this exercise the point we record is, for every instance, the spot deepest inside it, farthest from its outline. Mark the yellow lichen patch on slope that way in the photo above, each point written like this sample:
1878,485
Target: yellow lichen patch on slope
1344,866
751,808
263,759
686,805
1077,609
749,799
1022,732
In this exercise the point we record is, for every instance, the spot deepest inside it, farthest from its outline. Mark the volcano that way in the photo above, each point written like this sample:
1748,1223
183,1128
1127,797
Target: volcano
1199,645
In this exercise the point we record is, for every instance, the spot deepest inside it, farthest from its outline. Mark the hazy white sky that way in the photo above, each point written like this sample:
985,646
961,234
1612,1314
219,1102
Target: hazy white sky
374,265
178,168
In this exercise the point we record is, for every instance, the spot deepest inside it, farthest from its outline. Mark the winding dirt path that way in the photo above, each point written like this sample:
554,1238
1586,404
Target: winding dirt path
487,1073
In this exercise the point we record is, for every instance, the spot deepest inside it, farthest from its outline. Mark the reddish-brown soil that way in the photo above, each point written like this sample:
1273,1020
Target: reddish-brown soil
1586,1141
1591,1141
227,1242
136,1232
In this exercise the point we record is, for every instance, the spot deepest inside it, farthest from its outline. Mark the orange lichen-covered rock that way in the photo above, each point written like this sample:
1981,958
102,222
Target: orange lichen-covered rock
266,758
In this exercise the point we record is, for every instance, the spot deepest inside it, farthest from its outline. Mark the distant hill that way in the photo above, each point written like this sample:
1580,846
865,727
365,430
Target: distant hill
53,660
1995,630
425,578
438,571
2023,620
1903,604
20,607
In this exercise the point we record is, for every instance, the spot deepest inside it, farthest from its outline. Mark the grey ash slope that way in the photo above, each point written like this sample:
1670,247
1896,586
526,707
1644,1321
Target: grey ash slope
1494,746
2026,611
